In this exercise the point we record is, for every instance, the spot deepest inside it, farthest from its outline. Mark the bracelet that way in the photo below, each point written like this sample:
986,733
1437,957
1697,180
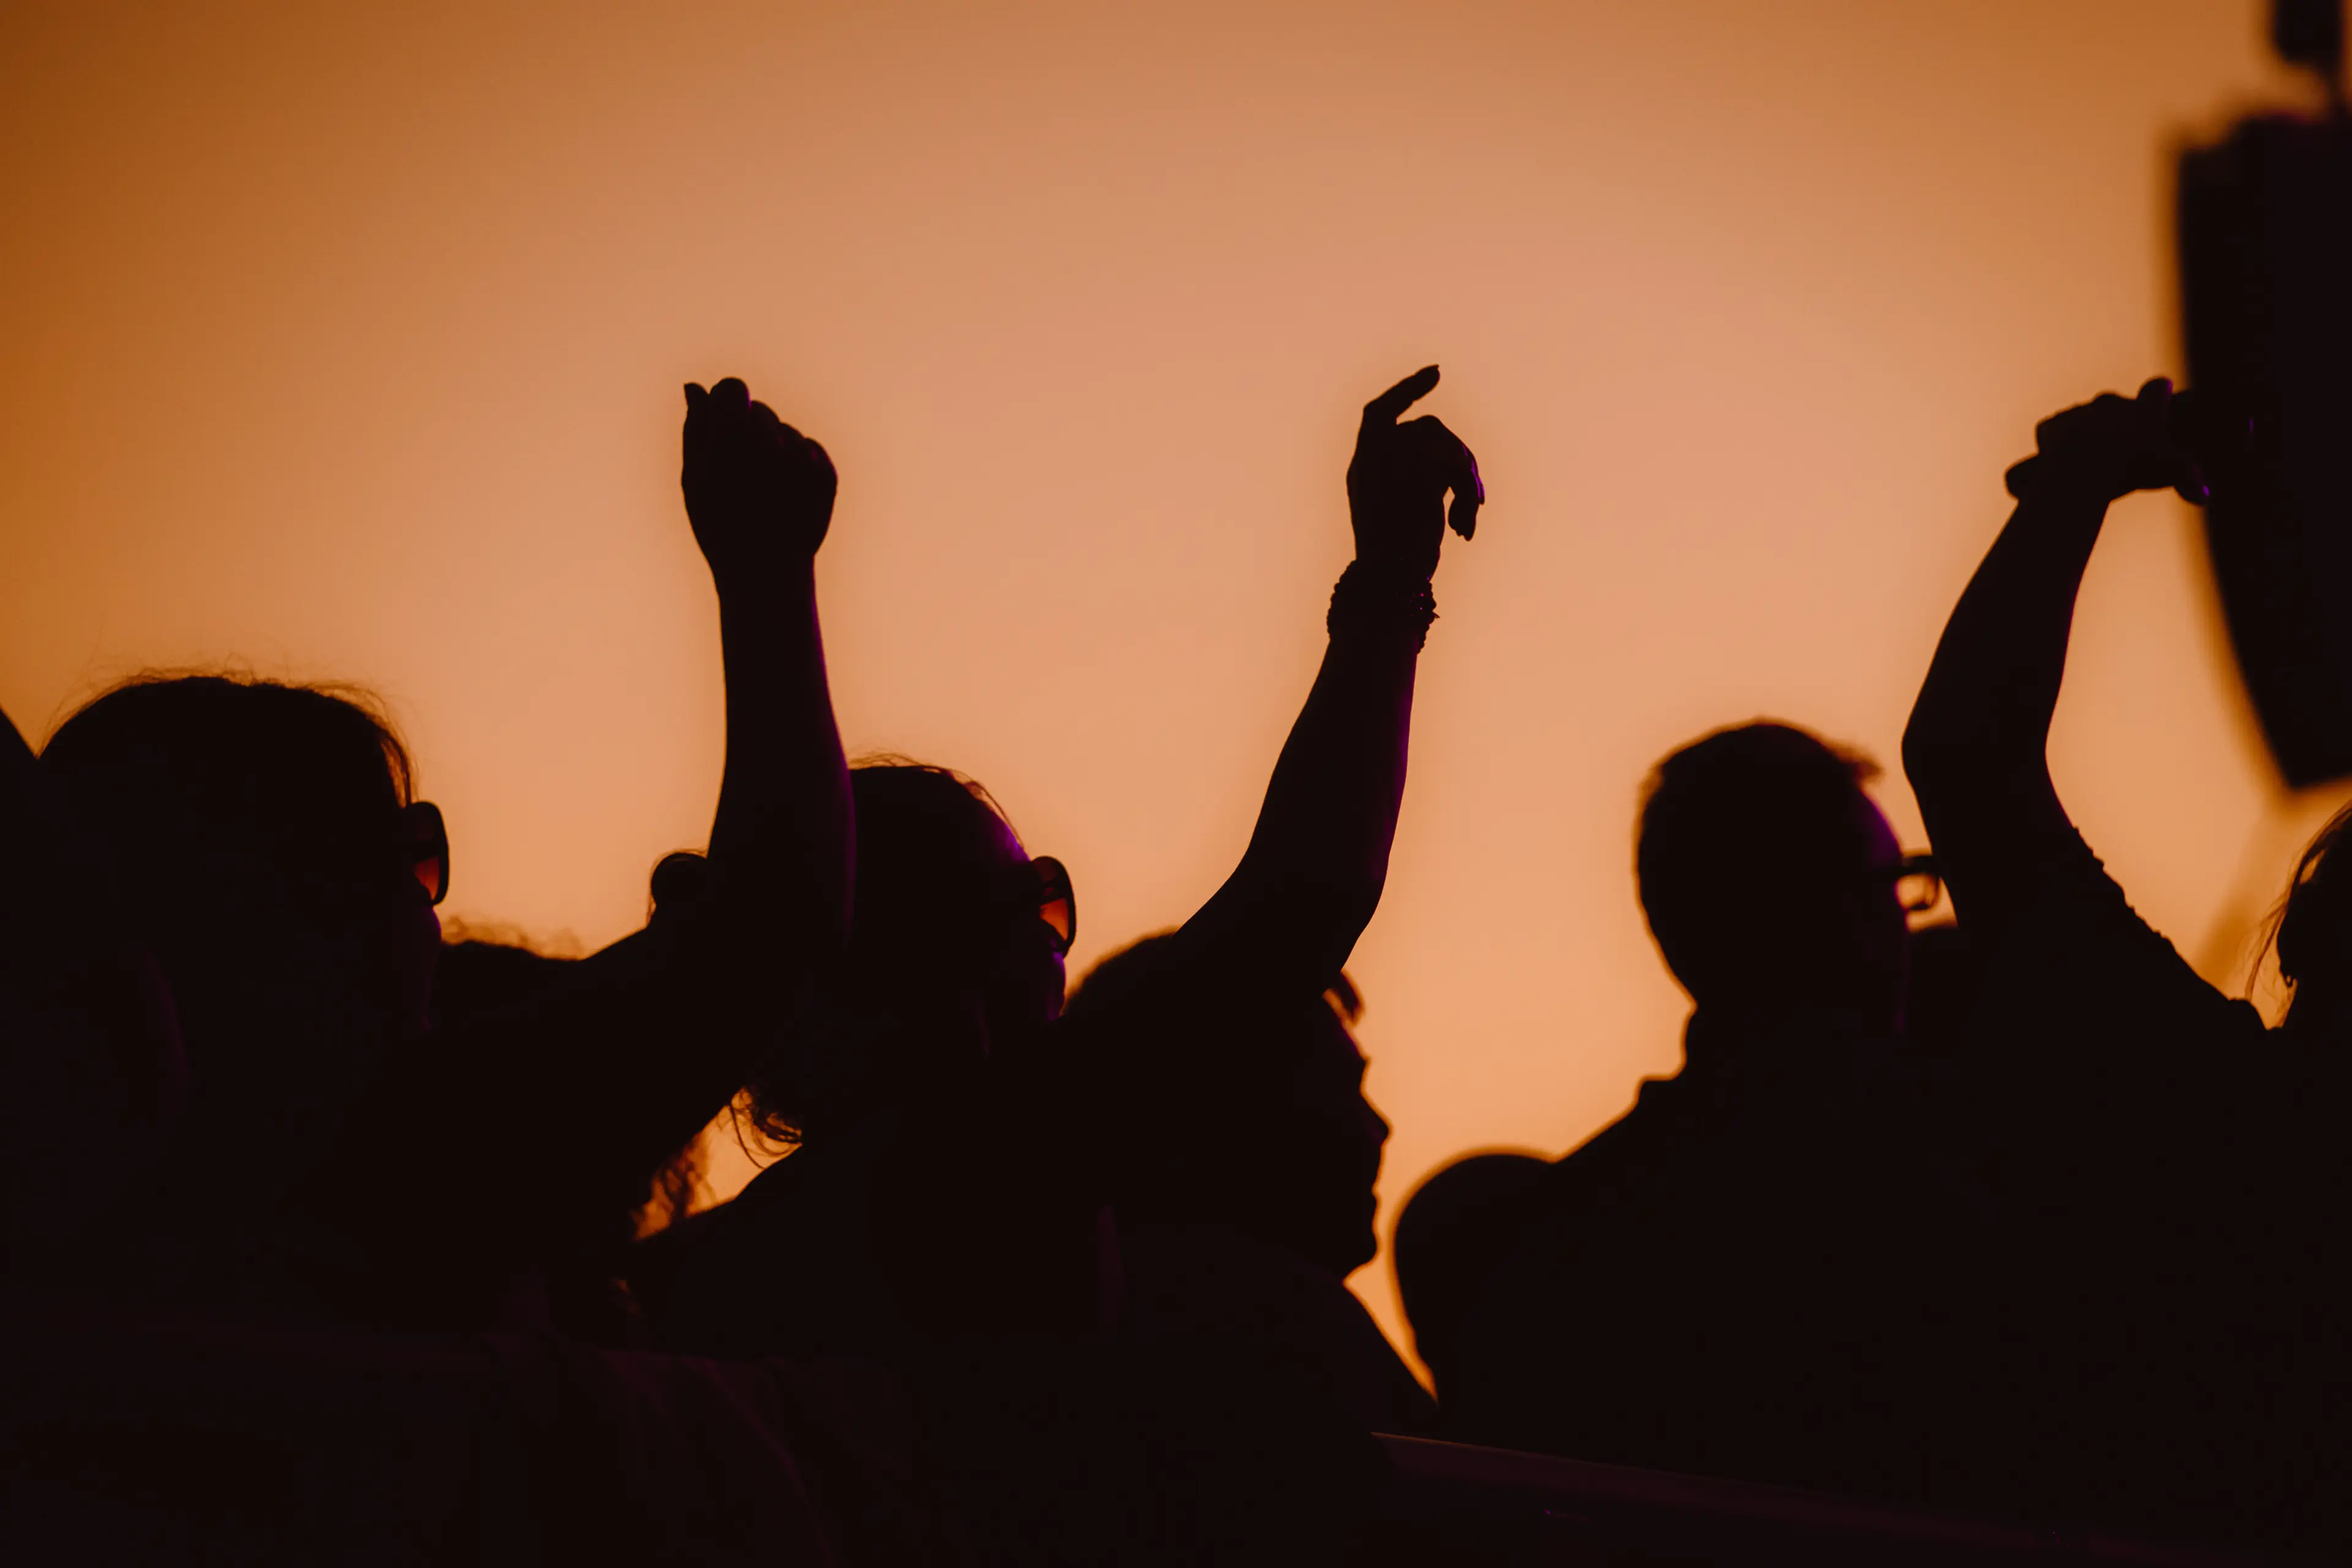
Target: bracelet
1369,598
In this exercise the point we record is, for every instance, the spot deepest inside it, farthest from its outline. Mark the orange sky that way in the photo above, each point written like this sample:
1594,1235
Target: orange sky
346,341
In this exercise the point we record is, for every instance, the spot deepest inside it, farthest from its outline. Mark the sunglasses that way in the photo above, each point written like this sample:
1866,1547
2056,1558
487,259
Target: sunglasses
1057,905
424,846
1917,888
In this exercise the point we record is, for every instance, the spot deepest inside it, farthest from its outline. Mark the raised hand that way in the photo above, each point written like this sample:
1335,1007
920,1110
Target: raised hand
1397,480
2112,446
759,493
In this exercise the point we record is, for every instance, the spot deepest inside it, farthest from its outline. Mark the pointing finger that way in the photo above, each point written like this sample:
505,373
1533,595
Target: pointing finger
1389,406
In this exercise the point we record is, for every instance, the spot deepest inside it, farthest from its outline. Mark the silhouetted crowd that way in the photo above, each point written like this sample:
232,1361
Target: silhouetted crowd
328,1239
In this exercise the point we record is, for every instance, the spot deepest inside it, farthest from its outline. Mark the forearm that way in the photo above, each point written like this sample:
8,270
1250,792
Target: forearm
1308,883
1982,719
646,1040
783,833
1318,858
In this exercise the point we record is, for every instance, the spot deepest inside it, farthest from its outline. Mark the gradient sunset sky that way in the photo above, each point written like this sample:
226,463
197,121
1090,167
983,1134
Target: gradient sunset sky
346,343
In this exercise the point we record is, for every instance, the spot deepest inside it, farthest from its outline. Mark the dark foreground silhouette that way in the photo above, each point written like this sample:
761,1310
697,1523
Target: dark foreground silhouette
1766,1268
2067,1246
2179,1178
1244,1258
332,1154
952,1183
2019,1221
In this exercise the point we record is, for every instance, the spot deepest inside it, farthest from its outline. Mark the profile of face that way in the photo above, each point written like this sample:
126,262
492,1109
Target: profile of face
1026,925
280,876
415,881
346,930
2314,936
1251,1117
1268,1130
1865,943
954,917
1775,887
1322,1154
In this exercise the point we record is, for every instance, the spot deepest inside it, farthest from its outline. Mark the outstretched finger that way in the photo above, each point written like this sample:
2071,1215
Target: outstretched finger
1387,408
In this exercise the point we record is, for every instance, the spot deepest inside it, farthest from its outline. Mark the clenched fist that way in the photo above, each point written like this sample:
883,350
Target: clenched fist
759,493
2112,446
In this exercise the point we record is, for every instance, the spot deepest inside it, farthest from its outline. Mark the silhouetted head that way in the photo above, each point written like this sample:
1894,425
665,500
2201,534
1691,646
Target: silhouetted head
2314,932
1254,1119
1450,1238
273,863
957,949
1769,880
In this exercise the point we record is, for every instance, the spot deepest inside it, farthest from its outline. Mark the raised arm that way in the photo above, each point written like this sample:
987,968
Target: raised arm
1305,888
759,495
660,1032
2056,933
648,1039
1975,748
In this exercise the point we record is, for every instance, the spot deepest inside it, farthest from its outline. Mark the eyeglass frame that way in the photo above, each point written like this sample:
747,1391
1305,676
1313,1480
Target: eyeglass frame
1921,865
426,844
1050,884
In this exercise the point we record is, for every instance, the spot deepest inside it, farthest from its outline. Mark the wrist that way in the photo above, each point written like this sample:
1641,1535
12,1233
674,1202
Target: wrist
2078,479
757,583
1381,598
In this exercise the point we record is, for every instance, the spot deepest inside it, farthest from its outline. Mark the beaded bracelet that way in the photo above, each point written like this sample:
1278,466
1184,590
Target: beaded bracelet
1372,598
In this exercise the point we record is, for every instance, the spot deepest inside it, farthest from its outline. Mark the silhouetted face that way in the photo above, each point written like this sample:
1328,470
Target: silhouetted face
420,945
1877,940
950,957
270,861
1771,883
1022,975
1826,942
1293,1151
347,926
1335,1164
